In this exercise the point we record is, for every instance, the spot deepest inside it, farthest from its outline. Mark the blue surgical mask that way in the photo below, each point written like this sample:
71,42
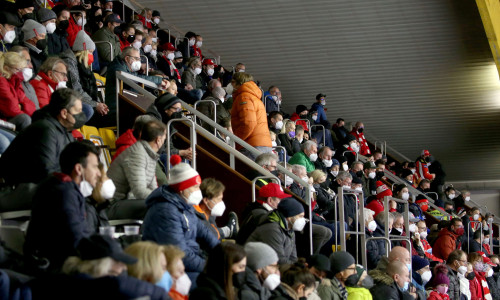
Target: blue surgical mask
165,281
405,287
409,267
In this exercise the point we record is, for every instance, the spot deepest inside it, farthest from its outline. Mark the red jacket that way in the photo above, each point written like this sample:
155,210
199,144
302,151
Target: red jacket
13,101
483,285
434,295
73,30
124,141
377,206
476,292
360,137
428,247
295,116
422,170
44,87
123,43
197,52
145,22
445,243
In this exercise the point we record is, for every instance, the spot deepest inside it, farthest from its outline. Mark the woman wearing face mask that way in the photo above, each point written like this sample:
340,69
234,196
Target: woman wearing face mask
80,77
297,283
333,171
421,274
278,229
440,283
181,284
287,136
76,23
464,273
16,107
224,272
375,249
171,218
479,285
212,207
147,50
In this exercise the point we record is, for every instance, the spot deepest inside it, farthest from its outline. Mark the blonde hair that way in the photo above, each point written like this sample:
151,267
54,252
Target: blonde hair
12,60
83,57
172,253
272,133
148,266
288,123
317,174
95,268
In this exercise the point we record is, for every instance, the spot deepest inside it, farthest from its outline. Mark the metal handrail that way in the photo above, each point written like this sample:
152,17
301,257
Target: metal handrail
147,64
284,152
215,110
307,121
324,131
176,41
357,154
254,181
468,233
192,140
383,146
358,231
111,53
386,240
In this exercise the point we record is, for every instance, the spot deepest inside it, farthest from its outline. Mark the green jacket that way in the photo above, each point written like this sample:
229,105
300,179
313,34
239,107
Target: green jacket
358,293
300,158
329,290
104,35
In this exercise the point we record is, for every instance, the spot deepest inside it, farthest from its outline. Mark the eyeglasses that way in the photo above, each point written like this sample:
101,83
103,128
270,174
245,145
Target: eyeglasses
65,75
135,58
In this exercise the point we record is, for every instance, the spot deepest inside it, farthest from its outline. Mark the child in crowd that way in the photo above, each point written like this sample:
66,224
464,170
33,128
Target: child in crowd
440,283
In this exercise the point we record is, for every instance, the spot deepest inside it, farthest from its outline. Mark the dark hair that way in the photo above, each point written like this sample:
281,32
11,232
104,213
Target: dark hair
339,120
139,123
454,255
296,275
299,128
271,87
190,35
477,234
449,189
219,265
454,222
76,153
62,99
273,114
423,181
379,162
449,203
152,129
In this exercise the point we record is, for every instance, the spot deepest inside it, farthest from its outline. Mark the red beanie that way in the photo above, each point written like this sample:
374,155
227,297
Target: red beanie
382,190
182,176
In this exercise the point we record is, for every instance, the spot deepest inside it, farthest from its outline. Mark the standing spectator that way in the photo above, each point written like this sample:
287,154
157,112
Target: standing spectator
321,119
421,164
57,226
306,157
195,48
107,34
15,107
34,38
342,266
471,222
27,75
357,132
57,41
9,23
248,115
171,218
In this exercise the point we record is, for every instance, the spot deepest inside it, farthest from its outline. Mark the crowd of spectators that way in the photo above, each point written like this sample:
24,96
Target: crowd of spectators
51,60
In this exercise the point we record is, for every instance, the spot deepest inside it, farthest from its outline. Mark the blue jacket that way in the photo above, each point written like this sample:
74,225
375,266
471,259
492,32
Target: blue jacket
170,220
270,104
321,115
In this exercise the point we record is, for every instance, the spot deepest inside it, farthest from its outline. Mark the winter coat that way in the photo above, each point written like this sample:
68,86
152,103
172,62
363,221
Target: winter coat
321,115
44,87
386,288
153,111
445,244
329,289
37,56
57,42
454,286
124,141
360,137
493,288
416,211
133,172
170,220
286,142
301,158
35,152
253,215
105,54
436,296
295,117
189,77
73,30
358,293
30,92
375,249
475,289
207,109
252,289
284,292
270,105
77,79
248,116
208,221
96,215
13,100
56,226
276,234
207,289
422,170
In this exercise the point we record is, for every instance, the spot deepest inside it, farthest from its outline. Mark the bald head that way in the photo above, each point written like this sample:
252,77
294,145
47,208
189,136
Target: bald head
400,254
397,267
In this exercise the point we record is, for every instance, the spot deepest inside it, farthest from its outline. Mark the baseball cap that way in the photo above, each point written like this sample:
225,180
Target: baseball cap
426,153
273,190
113,18
100,246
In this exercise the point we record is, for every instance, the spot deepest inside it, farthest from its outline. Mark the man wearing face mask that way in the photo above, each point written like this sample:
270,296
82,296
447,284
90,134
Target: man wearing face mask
275,121
126,35
348,150
194,49
77,21
368,179
8,25
34,153
48,19
24,10
420,206
325,162
357,132
272,99
58,225
392,285
262,260
448,239
34,39
300,113
107,34
133,173
212,207
208,70
306,157
52,76
155,25
278,231
421,275
421,164
171,218
189,80
57,41
342,266
356,169
207,108
422,231
471,222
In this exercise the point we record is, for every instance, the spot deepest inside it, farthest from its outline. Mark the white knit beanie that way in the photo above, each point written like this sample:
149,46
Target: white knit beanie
182,176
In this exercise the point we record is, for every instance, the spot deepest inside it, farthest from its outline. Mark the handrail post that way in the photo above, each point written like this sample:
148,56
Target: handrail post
215,111
359,217
284,152
147,64
192,140
305,120
111,53
324,132
254,181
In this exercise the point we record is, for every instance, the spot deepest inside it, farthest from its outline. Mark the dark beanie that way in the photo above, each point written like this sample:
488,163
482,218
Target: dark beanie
166,101
156,13
300,108
20,4
406,173
357,180
418,263
350,138
340,260
290,207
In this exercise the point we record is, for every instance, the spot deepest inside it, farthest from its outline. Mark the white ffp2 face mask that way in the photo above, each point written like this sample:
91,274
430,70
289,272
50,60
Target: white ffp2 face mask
372,226
170,56
27,74
197,71
195,198
279,125
137,45
299,224
9,37
199,44
51,27
183,284
313,157
108,189
272,281
218,209
135,66
210,72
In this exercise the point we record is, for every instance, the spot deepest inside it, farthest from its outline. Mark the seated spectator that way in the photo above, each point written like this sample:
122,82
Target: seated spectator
297,188
440,283
34,38
422,231
393,284
449,194
47,18
358,286
171,218
28,89
129,62
420,206
181,282
375,249
407,176
287,136
306,157
296,283
107,34
15,107
212,83
133,173
471,222
226,263
357,169
212,207
357,132
9,22
138,37
53,75
476,244
420,274
146,17
34,153
185,45
377,204
333,171
208,70
248,116
131,136
272,99
166,62
97,203
368,179
349,150
57,226
460,201
107,5
324,163
324,196
275,122
481,270
194,49
76,22
262,261
219,112
269,197
189,80
319,266
447,240
300,116
147,50
126,36
80,76
342,266
278,230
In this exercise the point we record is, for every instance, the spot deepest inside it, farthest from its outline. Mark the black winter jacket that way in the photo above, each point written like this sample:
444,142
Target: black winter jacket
57,42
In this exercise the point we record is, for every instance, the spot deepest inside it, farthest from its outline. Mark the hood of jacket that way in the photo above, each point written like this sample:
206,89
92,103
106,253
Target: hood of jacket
446,231
276,217
126,139
166,194
248,87
44,77
68,54
380,276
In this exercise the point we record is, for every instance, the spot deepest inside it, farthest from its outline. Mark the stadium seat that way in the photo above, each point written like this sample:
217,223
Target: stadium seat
109,139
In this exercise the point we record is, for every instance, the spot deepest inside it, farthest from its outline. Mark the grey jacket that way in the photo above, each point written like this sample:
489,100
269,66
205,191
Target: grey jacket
454,286
133,172
189,77
104,35
207,109
30,93
74,77
329,290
